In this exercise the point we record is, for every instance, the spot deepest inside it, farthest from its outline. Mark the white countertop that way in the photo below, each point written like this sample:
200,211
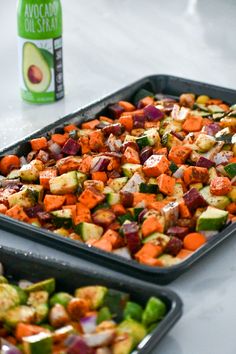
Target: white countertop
108,44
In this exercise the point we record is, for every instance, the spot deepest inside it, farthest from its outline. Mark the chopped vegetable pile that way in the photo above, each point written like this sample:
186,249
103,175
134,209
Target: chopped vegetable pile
151,180
34,319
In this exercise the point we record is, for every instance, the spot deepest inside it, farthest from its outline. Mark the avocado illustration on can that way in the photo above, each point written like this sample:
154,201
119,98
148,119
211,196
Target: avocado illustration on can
40,50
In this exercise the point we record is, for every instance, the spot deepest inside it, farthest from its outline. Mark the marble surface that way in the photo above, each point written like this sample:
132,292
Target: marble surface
108,44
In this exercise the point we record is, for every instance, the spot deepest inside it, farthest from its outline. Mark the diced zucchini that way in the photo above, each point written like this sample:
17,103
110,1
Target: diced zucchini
205,142
212,219
36,190
62,231
44,285
96,294
231,169
38,344
118,183
81,177
23,198
130,168
148,188
133,183
220,202
89,231
232,194
158,239
18,314
212,174
14,174
178,191
168,260
62,218
173,167
169,140
29,173
130,138
125,217
215,109
66,183
149,138
142,93
113,198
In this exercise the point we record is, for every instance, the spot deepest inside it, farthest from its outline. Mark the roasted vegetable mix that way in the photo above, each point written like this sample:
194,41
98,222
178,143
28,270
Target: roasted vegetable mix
35,319
151,180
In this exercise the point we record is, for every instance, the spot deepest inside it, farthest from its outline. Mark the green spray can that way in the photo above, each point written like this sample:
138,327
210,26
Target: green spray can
40,50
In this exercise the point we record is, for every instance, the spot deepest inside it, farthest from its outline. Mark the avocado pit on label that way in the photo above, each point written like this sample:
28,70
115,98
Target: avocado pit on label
35,75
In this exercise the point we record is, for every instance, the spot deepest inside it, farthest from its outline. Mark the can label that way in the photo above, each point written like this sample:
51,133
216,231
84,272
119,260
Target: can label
41,69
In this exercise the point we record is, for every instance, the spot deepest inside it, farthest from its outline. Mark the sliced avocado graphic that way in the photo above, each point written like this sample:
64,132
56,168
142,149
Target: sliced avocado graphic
36,72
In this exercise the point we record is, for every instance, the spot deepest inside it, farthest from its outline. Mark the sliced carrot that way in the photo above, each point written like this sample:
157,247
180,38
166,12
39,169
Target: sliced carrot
60,139
143,197
127,122
103,244
114,164
46,175
118,209
150,225
166,184
148,251
69,163
70,199
230,207
194,240
179,154
156,165
214,101
17,212
193,124
146,101
53,202
84,144
184,211
39,143
68,128
184,253
195,174
128,107
91,197
96,140
9,163
105,119
82,214
130,156
232,160
99,176
85,164
220,186
158,205
91,124
27,330
161,151
3,209
114,237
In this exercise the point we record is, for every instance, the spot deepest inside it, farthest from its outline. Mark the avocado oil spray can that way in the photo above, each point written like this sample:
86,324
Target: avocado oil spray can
40,50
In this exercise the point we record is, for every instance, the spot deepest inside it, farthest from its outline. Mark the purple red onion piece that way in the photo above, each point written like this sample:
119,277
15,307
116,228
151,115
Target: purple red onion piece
178,231
8,348
194,200
131,144
77,344
174,246
33,211
116,129
115,110
131,234
212,129
139,121
204,162
99,164
145,153
153,113
89,324
71,147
